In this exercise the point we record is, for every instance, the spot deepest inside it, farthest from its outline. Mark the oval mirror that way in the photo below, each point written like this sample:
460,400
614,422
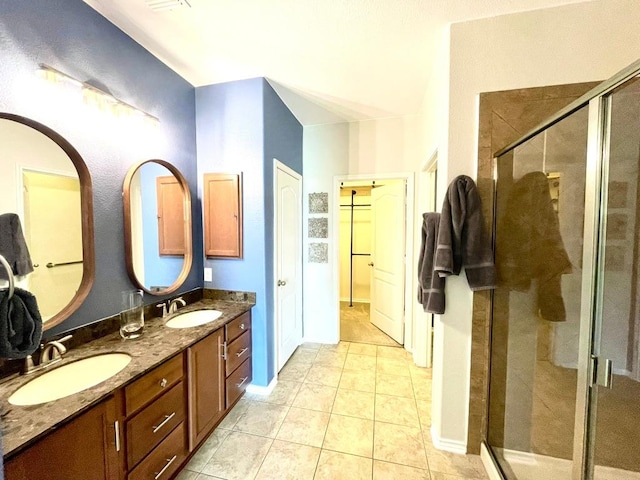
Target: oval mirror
157,226
45,182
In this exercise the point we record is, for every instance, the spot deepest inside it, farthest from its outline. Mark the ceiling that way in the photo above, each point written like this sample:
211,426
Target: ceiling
330,60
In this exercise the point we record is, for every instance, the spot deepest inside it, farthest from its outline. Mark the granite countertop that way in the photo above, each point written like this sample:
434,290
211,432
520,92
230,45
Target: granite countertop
22,425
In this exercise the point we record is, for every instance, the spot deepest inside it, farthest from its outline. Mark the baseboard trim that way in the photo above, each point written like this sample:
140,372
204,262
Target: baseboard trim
260,390
453,446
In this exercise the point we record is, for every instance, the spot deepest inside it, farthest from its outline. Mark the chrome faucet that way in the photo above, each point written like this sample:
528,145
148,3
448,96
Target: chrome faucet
50,353
173,304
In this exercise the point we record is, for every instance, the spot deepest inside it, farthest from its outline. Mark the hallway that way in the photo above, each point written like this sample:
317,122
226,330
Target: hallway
347,411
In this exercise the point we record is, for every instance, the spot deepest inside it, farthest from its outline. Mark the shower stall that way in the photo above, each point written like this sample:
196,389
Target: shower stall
564,381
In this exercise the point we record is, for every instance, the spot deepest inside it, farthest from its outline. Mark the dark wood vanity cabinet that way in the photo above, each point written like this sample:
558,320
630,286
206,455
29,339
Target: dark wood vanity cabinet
205,367
219,370
155,425
83,449
148,428
238,365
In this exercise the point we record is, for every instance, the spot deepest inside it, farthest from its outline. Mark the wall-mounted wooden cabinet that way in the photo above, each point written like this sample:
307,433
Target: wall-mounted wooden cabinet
170,216
223,215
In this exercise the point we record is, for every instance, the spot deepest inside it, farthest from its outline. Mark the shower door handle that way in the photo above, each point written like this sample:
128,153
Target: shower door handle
602,371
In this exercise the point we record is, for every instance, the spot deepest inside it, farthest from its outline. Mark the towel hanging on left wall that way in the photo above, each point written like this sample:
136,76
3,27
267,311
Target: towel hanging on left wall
20,320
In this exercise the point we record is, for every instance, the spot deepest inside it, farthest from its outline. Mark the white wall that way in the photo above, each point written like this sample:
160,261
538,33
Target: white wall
575,43
387,145
325,154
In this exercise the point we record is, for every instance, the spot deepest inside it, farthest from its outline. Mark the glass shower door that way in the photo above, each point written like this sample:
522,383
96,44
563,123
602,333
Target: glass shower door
614,418
540,198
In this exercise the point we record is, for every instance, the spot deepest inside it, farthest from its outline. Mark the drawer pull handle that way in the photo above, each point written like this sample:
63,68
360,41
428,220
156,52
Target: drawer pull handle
242,327
164,422
242,382
241,352
163,383
169,462
224,350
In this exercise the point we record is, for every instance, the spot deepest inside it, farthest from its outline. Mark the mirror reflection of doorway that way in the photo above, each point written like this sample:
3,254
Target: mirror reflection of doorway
372,296
52,204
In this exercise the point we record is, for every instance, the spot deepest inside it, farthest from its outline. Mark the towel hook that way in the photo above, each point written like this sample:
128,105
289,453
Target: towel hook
7,267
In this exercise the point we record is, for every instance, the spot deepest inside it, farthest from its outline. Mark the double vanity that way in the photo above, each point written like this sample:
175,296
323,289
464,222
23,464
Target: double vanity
171,387
110,408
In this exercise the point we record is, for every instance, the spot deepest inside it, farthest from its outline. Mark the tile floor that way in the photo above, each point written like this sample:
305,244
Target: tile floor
355,326
348,411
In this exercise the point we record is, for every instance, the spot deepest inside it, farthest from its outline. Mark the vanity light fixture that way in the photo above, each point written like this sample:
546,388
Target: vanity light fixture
94,96
160,5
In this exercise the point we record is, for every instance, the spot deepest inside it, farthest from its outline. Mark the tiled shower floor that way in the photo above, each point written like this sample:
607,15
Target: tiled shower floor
347,411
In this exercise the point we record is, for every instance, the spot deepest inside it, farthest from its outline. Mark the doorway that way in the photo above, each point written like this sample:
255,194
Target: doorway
373,237
51,202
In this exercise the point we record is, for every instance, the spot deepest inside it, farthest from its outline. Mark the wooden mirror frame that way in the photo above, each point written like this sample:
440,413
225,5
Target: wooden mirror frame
188,249
86,212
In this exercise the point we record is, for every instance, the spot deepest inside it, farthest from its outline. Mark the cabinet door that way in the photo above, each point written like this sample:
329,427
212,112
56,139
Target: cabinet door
170,216
83,449
206,386
223,215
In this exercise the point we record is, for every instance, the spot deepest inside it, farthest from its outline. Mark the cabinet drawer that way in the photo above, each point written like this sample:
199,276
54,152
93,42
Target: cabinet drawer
152,424
163,462
238,351
237,382
237,327
154,383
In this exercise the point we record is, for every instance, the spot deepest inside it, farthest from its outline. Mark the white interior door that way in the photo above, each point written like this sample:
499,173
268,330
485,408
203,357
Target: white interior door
288,262
52,204
387,259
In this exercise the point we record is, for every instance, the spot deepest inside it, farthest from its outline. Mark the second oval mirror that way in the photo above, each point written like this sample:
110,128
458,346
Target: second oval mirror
157,226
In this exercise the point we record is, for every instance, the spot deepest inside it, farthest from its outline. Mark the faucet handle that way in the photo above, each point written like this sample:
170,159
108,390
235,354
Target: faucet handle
163,305
54,349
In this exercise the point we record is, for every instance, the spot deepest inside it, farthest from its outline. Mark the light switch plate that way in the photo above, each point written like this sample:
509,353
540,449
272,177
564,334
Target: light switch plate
208,274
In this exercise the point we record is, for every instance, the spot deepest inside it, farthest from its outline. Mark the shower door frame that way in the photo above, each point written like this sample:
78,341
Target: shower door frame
593,251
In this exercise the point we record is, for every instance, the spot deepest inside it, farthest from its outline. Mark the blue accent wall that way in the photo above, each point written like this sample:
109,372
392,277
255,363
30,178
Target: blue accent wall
282,141
73,38
241,127
230,140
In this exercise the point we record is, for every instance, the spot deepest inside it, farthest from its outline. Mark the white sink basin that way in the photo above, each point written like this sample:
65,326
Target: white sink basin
69,379
193,319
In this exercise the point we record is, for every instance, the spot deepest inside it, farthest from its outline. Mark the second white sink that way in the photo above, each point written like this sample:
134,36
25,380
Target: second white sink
193,318
69,379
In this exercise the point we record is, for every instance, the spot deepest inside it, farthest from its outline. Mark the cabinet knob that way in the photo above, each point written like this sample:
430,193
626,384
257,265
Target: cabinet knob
281,283
242,327
370,264
163,383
